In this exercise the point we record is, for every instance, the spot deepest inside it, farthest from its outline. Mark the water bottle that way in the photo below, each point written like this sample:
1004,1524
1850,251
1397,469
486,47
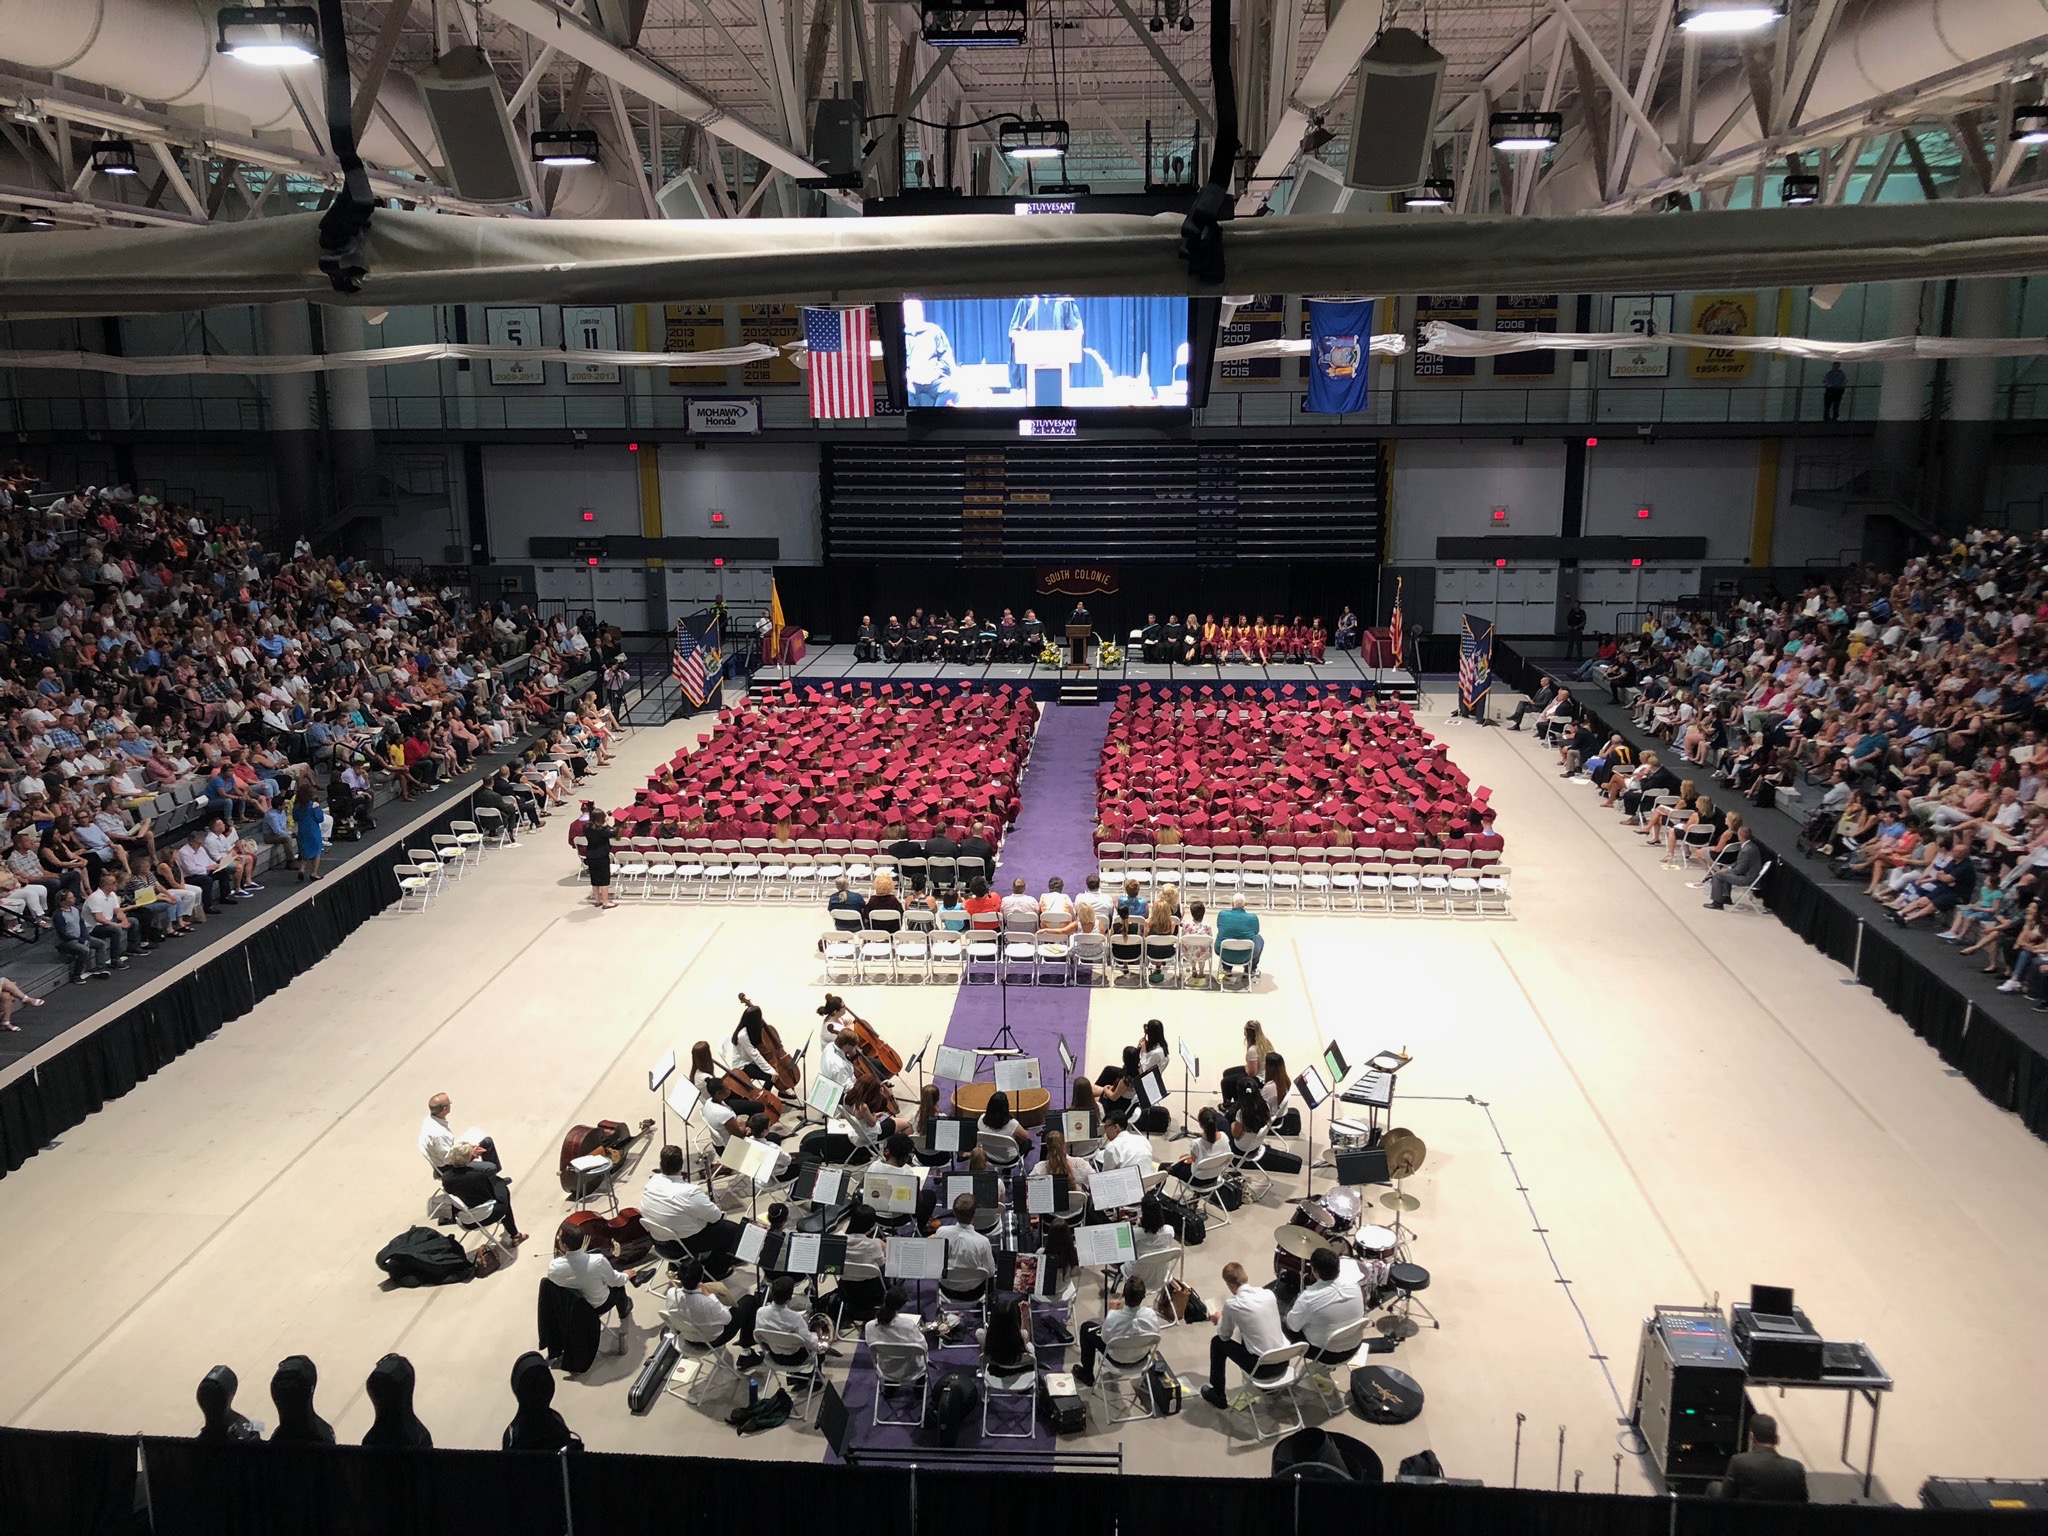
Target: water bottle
753,1391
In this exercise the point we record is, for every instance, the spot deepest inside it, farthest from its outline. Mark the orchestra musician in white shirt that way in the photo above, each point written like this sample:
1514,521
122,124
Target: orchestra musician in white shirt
1247,1326
684,1207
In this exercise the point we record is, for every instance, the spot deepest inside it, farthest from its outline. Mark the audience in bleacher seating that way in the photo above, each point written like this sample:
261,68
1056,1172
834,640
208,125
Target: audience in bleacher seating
846,763
158,666
1328,768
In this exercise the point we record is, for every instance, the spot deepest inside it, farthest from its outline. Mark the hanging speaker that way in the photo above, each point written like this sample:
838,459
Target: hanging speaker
835,136
486,160
1393,114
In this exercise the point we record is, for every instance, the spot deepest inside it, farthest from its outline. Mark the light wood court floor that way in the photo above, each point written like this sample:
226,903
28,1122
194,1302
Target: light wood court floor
1692,1101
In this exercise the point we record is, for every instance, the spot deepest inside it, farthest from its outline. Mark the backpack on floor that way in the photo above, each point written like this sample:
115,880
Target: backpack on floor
1231,1191
422,1256
953,1403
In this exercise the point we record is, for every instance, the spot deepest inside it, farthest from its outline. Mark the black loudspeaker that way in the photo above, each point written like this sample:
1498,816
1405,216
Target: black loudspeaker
1393,114
835,137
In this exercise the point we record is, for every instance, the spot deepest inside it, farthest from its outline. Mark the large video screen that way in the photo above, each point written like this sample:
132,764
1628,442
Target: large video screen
1045,350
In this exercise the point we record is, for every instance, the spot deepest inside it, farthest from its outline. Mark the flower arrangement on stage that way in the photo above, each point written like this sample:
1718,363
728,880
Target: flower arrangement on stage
1049,656
1109,655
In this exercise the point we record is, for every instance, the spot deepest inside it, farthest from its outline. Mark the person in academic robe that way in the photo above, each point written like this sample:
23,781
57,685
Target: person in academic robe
1212,639
1173,640
916,640
867,644
1318,640
947,629
1034,629
895,642
1149,639
984,640
1009,637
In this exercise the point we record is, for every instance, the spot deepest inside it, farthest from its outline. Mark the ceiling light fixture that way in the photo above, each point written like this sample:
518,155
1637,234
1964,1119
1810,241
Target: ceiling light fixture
1437,192
1728,18
973,23
1525,132
278,35
563,146
37,218
25,111
1799,189
2030,124
114,157
1042,138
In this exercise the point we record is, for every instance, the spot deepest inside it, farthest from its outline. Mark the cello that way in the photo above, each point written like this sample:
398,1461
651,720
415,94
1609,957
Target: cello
771,1047
608,1139
875,1061
621,1238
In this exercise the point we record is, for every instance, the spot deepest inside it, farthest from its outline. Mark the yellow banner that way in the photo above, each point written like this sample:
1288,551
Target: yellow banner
1722,314
771,325
695,328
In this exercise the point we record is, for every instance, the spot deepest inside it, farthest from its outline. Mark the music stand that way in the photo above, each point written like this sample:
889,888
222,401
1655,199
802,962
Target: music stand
1313,1092
1193,1065
658,1074
1005,1043
917,1061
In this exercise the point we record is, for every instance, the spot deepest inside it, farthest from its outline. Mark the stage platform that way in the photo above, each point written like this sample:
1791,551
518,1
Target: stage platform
836,664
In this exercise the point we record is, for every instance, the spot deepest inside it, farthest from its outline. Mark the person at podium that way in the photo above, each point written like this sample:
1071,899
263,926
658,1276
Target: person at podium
1043,312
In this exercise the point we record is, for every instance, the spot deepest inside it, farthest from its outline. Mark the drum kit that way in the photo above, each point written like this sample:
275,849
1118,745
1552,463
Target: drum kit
1333,1220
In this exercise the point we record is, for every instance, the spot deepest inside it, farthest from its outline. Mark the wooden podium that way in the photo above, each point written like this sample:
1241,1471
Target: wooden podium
1046,356
1077,644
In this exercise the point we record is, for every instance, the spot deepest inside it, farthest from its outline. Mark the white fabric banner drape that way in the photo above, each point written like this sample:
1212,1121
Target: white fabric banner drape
1456,341
373,357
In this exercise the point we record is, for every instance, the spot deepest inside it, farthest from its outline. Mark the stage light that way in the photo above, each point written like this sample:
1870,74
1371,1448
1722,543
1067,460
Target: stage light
36,218
281,36
1156,24
114,157
1038,138
2030,124
1728,17
1437,192
1187,23
25,111
972,23
1525,132
1799,189
563,146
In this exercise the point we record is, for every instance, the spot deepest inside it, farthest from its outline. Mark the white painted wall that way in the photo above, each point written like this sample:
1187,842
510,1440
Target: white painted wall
539,493
767,491
1445,488
1693,487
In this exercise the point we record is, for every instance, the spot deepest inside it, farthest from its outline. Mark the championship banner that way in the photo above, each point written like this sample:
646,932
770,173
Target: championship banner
1263,319
1339,354
1722,314
1523,314
1455,309
1475,666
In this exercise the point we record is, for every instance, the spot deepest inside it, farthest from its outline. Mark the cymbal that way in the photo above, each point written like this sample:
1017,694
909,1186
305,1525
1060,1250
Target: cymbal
1405,1153
1299,1241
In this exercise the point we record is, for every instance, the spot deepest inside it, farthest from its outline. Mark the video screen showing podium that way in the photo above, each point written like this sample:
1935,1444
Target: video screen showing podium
1045,350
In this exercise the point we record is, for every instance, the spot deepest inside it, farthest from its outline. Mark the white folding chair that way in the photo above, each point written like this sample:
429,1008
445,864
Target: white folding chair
1288,877
946,956
1322,1375
1750,897
1275,1373
476,1218
1404,887
448,847
1090,953
1207,1176
774,877
1020,955
496,828
1234,961
413,882
984,958
842,956
898,1368
745,880
1162,960
1197,961
470,837
793,1362
1255,880
428,862
1054,959
913,956
660,878
1119,1364
712,1360
1462,890
877,955
1433,887
1020,1382
1494,881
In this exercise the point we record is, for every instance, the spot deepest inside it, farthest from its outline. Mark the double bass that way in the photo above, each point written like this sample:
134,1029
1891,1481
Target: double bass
608,1138
621,1238
875,1061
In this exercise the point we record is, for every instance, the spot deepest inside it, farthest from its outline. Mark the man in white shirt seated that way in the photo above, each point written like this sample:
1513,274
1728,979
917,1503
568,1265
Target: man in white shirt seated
1125,1148
780,1312
1247,1326
970,1258
687,1210
1128,1328
1019,906
589,1274
705,1311
1325,1305
438,1139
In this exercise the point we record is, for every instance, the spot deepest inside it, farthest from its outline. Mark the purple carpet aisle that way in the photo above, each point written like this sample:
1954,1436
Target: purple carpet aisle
1054,835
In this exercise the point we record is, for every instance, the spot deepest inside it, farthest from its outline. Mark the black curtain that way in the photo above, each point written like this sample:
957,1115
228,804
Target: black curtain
83,1485
41,1105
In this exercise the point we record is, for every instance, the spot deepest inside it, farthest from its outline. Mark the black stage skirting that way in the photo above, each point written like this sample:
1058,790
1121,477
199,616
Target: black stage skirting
88,1485
42,1104
1995,1040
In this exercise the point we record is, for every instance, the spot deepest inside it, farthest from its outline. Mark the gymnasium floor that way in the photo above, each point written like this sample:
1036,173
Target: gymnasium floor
1693,1101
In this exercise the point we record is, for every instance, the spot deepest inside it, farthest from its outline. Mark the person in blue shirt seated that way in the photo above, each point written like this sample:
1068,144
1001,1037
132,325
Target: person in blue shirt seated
846,907
277,829
1234,922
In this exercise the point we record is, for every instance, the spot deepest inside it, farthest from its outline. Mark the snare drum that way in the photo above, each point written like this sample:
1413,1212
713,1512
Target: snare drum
1292,1247
1347,1135
1374,1242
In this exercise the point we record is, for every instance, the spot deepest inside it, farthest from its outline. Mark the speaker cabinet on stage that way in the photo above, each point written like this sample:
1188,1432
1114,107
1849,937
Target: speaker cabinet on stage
1393,114
1689,1392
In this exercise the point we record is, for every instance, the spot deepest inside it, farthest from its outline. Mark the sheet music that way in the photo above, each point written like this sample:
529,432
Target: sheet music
1333,1058
755,1159
1078,1125
1152,1089
949,1135
1017,1075
1115,1188
659,1073
915,1258
800,1253
827,1186
1313,1089
1066,1058
1105,1245
752,1236
893,1192
825,1095
1041,1195
685,1099
1188,1059
954,1064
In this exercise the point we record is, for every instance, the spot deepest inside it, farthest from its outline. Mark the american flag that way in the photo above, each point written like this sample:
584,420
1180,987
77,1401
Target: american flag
1475,665
693,660
837,343
1396,630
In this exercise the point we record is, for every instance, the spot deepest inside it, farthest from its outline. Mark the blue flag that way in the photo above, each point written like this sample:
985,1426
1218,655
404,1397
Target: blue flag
1339,352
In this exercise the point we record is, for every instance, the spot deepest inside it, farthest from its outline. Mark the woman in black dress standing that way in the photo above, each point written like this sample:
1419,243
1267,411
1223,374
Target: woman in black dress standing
597,859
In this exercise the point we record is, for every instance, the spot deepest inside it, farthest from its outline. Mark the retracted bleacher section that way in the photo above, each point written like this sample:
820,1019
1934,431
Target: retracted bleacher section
998,504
